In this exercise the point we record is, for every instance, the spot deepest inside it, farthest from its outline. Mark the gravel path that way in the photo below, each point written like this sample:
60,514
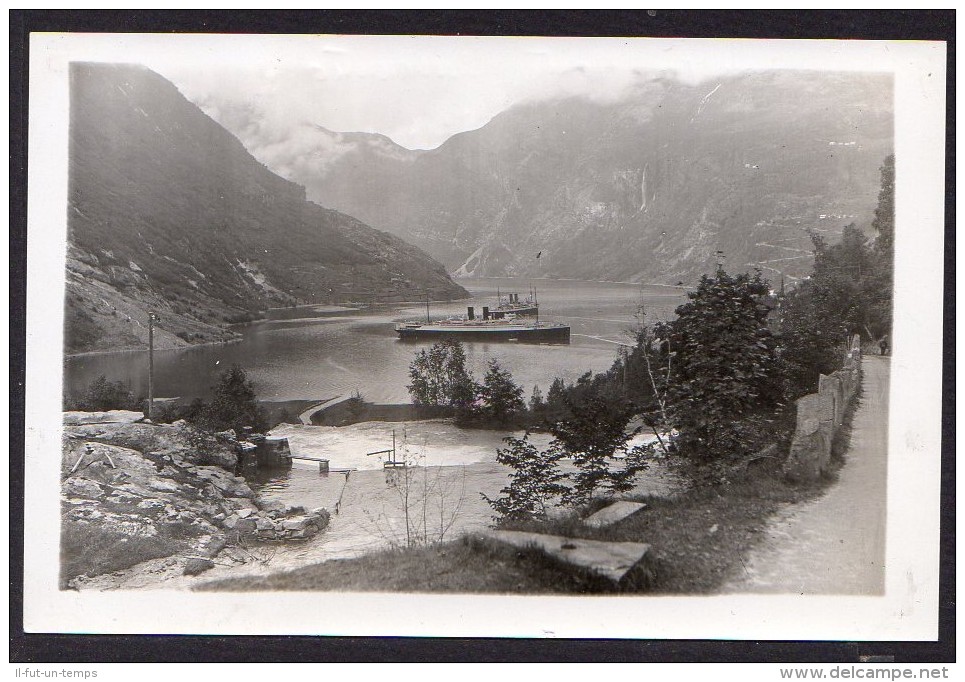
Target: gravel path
835,544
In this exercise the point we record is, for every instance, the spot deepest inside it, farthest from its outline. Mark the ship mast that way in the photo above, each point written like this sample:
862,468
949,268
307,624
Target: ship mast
537,306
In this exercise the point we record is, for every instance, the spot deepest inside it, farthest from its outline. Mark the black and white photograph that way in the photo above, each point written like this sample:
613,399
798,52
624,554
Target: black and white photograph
484,336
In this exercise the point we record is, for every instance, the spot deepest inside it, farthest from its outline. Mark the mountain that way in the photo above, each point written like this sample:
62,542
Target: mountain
648,187
168,212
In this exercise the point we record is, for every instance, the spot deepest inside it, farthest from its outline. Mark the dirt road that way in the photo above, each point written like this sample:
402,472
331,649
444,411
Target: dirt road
835,544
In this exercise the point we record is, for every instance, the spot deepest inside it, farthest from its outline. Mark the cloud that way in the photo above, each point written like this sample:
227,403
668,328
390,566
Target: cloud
419,91
289,146
416,109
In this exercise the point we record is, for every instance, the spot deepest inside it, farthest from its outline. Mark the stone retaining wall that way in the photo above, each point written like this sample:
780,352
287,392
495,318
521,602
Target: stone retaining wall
820,416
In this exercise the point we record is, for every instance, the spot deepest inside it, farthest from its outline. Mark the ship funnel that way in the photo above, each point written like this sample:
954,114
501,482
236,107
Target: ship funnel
485,312
472,313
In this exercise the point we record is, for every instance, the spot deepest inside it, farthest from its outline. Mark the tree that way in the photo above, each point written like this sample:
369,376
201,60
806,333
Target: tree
103,395
849,292
853,279
884,220
556,408
884,250
502,398
724,367
535,480
537,406
846,285
233,404
595,436
439,376
810,340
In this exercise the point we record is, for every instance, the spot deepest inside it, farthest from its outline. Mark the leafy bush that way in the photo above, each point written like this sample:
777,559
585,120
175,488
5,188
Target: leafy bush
103,395
849,292
535,480
595,435
233,405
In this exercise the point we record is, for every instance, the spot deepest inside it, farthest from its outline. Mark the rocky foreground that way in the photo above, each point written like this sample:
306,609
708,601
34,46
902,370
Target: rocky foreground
162,498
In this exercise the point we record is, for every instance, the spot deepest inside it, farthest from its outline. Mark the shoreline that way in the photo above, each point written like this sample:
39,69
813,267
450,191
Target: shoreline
86,353
682,287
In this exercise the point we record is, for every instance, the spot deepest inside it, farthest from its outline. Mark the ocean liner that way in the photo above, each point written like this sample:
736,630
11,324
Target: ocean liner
506,327
511,305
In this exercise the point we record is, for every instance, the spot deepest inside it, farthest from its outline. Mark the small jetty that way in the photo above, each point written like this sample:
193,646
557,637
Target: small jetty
324,465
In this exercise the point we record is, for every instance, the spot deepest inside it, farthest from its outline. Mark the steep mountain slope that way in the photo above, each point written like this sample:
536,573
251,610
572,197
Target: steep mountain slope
647,188
167,211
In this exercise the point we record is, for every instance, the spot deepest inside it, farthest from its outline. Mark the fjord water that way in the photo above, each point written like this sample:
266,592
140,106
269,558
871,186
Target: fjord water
318,352
315,353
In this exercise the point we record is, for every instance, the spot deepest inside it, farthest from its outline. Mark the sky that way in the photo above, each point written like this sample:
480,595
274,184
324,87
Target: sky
421,90
417,91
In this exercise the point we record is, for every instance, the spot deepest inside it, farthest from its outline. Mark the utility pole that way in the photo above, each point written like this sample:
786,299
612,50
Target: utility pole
152,318
427,308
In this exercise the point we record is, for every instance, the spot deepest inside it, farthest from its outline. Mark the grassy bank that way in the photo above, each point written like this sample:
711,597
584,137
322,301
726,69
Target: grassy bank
469,564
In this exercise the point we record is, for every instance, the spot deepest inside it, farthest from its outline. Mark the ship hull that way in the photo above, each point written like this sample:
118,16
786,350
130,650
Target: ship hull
542,334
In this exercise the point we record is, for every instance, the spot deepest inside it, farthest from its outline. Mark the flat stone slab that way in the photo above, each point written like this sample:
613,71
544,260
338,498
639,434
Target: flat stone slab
610,559
109,417
613,513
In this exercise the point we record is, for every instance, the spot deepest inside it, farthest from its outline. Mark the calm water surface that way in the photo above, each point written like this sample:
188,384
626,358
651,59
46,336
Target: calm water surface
313,353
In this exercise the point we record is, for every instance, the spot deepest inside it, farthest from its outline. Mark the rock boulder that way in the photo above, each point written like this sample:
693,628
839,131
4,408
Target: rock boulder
134,492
